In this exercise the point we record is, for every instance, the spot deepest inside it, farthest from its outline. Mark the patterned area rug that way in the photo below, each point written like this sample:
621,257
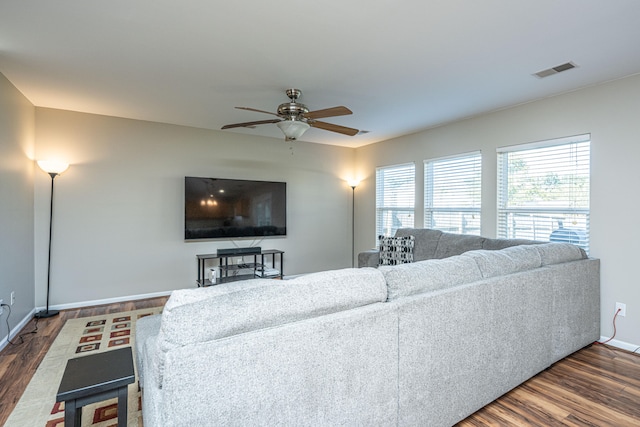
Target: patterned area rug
88,335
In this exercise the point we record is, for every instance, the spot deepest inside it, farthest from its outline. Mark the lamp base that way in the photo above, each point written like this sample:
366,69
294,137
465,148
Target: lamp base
46,313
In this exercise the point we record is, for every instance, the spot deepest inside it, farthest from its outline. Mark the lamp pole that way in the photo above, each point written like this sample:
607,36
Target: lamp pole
53,169
47,312
353,221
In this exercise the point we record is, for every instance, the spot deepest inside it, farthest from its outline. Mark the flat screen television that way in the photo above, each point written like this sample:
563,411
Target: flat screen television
229,208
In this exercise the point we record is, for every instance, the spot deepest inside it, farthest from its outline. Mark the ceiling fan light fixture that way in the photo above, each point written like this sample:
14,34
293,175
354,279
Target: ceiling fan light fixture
295,118
293,129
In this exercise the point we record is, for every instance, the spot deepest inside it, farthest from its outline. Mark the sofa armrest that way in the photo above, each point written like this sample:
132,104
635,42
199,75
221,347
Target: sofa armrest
149,362
152,394
146,328
370,258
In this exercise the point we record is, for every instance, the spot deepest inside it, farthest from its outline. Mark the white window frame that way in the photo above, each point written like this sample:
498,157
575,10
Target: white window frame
562,165
395,198
453,192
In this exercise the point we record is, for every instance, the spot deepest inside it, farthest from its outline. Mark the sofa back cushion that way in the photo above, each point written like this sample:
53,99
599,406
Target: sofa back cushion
513,259
187,296
426,241
496,244
260,304
435,244
429,275
556,253
455,244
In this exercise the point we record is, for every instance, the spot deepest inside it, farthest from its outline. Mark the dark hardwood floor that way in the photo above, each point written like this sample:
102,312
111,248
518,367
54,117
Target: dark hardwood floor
596,386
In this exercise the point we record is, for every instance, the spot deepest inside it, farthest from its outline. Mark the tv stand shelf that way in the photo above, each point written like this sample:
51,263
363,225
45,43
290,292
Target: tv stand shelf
245,270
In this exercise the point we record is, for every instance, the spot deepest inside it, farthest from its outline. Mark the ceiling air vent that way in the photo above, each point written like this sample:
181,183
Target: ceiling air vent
555,70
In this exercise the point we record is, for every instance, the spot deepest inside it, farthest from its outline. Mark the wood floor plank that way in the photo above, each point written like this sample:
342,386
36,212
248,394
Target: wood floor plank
617,369
545,412
510,412
587,406
596,386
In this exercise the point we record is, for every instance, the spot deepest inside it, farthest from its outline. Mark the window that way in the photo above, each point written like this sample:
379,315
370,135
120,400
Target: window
395,198
452,189
543,191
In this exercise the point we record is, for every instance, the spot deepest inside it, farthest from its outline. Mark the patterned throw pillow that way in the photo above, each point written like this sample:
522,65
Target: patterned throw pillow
396,250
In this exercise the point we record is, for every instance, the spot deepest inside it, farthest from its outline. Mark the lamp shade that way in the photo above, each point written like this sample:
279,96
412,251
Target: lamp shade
53,166
293,129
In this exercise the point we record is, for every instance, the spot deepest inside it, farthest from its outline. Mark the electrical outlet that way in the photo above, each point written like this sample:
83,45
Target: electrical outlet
623,309
13,297
238,260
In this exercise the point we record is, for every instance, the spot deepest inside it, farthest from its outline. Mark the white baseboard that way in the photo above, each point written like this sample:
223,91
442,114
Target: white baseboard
29,316
16,329
105,301
620,344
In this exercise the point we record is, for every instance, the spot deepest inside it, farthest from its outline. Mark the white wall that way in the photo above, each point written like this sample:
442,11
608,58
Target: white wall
119,208
609,112
16,203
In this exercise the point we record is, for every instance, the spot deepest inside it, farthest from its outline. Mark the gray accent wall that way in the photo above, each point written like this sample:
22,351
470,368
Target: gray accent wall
16,204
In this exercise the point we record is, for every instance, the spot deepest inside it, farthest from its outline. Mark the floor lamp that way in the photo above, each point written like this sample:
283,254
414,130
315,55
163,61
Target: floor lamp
353,185
53,168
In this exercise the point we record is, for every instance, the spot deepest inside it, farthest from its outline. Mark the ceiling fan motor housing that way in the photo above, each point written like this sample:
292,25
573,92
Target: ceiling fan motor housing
292,110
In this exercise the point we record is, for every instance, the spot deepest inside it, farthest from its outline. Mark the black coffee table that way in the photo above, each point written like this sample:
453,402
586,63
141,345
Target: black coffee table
94,378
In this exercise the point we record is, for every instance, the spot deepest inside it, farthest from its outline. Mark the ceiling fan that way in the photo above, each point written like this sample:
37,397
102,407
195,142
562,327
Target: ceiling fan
294,118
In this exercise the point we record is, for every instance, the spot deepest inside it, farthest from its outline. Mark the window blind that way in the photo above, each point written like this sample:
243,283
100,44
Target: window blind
452,193
543,191
395,198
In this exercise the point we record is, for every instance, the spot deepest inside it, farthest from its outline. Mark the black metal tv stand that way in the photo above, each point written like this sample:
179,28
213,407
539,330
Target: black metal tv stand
244,270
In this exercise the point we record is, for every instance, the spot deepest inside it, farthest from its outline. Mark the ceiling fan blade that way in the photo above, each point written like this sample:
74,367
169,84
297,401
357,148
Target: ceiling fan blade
328,112
334,128
256,110
250,124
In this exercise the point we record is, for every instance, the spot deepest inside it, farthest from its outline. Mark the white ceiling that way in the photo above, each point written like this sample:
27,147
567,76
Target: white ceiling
401,65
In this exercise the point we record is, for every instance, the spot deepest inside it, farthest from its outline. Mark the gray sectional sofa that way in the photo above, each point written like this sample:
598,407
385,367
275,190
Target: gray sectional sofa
435,244
420,344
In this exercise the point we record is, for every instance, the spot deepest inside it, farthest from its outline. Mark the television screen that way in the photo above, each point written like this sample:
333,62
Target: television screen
227,208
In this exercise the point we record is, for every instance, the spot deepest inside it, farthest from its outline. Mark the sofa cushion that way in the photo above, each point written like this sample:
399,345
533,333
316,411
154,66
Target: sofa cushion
426,241
496,244
343,279
429,275
187,296
256,307
396,250
506,261
451,244
556,253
